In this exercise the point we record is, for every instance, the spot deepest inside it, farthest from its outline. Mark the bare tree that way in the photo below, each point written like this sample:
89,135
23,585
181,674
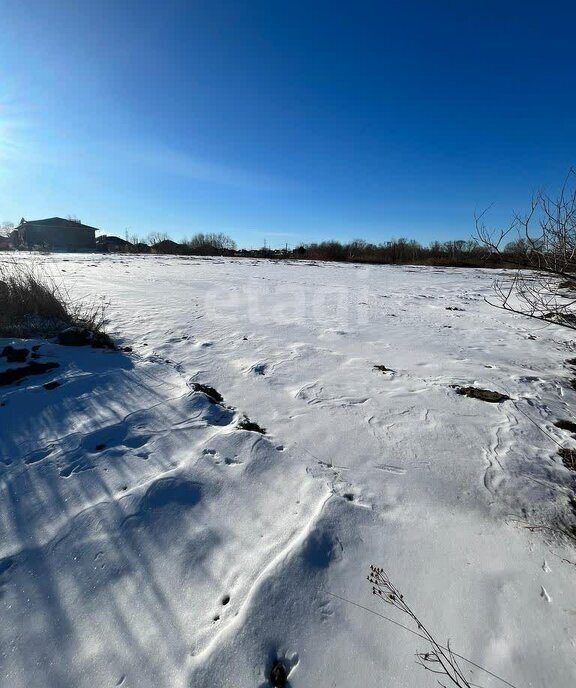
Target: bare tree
544,251
6,228
210,243
156,237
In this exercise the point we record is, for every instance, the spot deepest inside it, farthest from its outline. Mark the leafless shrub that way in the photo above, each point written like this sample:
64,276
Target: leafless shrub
209,244
438,659
156,238
544,250
568,456
32,302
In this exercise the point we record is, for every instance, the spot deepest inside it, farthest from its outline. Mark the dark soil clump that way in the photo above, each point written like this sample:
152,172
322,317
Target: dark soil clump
12,375
214,396
51,385
383,369
246,424
13,355
78,336
566,425
482,394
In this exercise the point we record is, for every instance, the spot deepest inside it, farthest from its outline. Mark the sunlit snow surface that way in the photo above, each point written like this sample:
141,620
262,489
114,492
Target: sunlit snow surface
147,542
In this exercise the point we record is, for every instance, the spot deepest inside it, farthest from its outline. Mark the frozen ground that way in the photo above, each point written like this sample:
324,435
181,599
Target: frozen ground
147,542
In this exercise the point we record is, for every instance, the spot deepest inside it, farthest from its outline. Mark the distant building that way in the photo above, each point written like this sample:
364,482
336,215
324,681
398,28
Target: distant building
168,246
113,244
56,233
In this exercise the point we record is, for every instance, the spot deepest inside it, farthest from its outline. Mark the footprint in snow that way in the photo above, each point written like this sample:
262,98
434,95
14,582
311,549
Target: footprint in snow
5,565
279,671
77,466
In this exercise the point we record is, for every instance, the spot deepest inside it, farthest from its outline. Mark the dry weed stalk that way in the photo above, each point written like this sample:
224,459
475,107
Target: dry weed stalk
438,660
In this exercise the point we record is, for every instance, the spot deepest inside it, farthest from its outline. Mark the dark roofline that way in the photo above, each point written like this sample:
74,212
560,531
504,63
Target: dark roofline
74,223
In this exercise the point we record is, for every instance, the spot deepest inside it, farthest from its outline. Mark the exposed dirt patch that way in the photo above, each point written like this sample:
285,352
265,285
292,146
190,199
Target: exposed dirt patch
13,355
51,385
383,369
246,424
566,425
482,394
12,375
78,336
214,396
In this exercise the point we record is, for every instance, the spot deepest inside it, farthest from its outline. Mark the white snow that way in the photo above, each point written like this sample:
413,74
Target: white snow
147,542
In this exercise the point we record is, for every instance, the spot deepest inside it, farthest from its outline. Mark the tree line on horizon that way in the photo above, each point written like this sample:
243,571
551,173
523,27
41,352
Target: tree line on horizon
458,252
395,251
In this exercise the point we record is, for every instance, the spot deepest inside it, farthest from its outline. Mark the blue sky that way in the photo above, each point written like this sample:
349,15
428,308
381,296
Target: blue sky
285,121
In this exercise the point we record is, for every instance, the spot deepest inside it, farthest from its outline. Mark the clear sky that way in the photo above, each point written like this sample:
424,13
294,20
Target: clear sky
285,121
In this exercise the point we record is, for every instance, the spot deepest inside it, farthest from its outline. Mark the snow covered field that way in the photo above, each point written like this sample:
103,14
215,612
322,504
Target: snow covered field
146,541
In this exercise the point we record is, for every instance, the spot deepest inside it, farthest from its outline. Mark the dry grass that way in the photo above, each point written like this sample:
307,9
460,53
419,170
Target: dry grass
33,303
568,457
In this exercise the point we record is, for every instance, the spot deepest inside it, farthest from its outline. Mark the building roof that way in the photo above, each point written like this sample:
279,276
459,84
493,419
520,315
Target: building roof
110,239
168,246
57,221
